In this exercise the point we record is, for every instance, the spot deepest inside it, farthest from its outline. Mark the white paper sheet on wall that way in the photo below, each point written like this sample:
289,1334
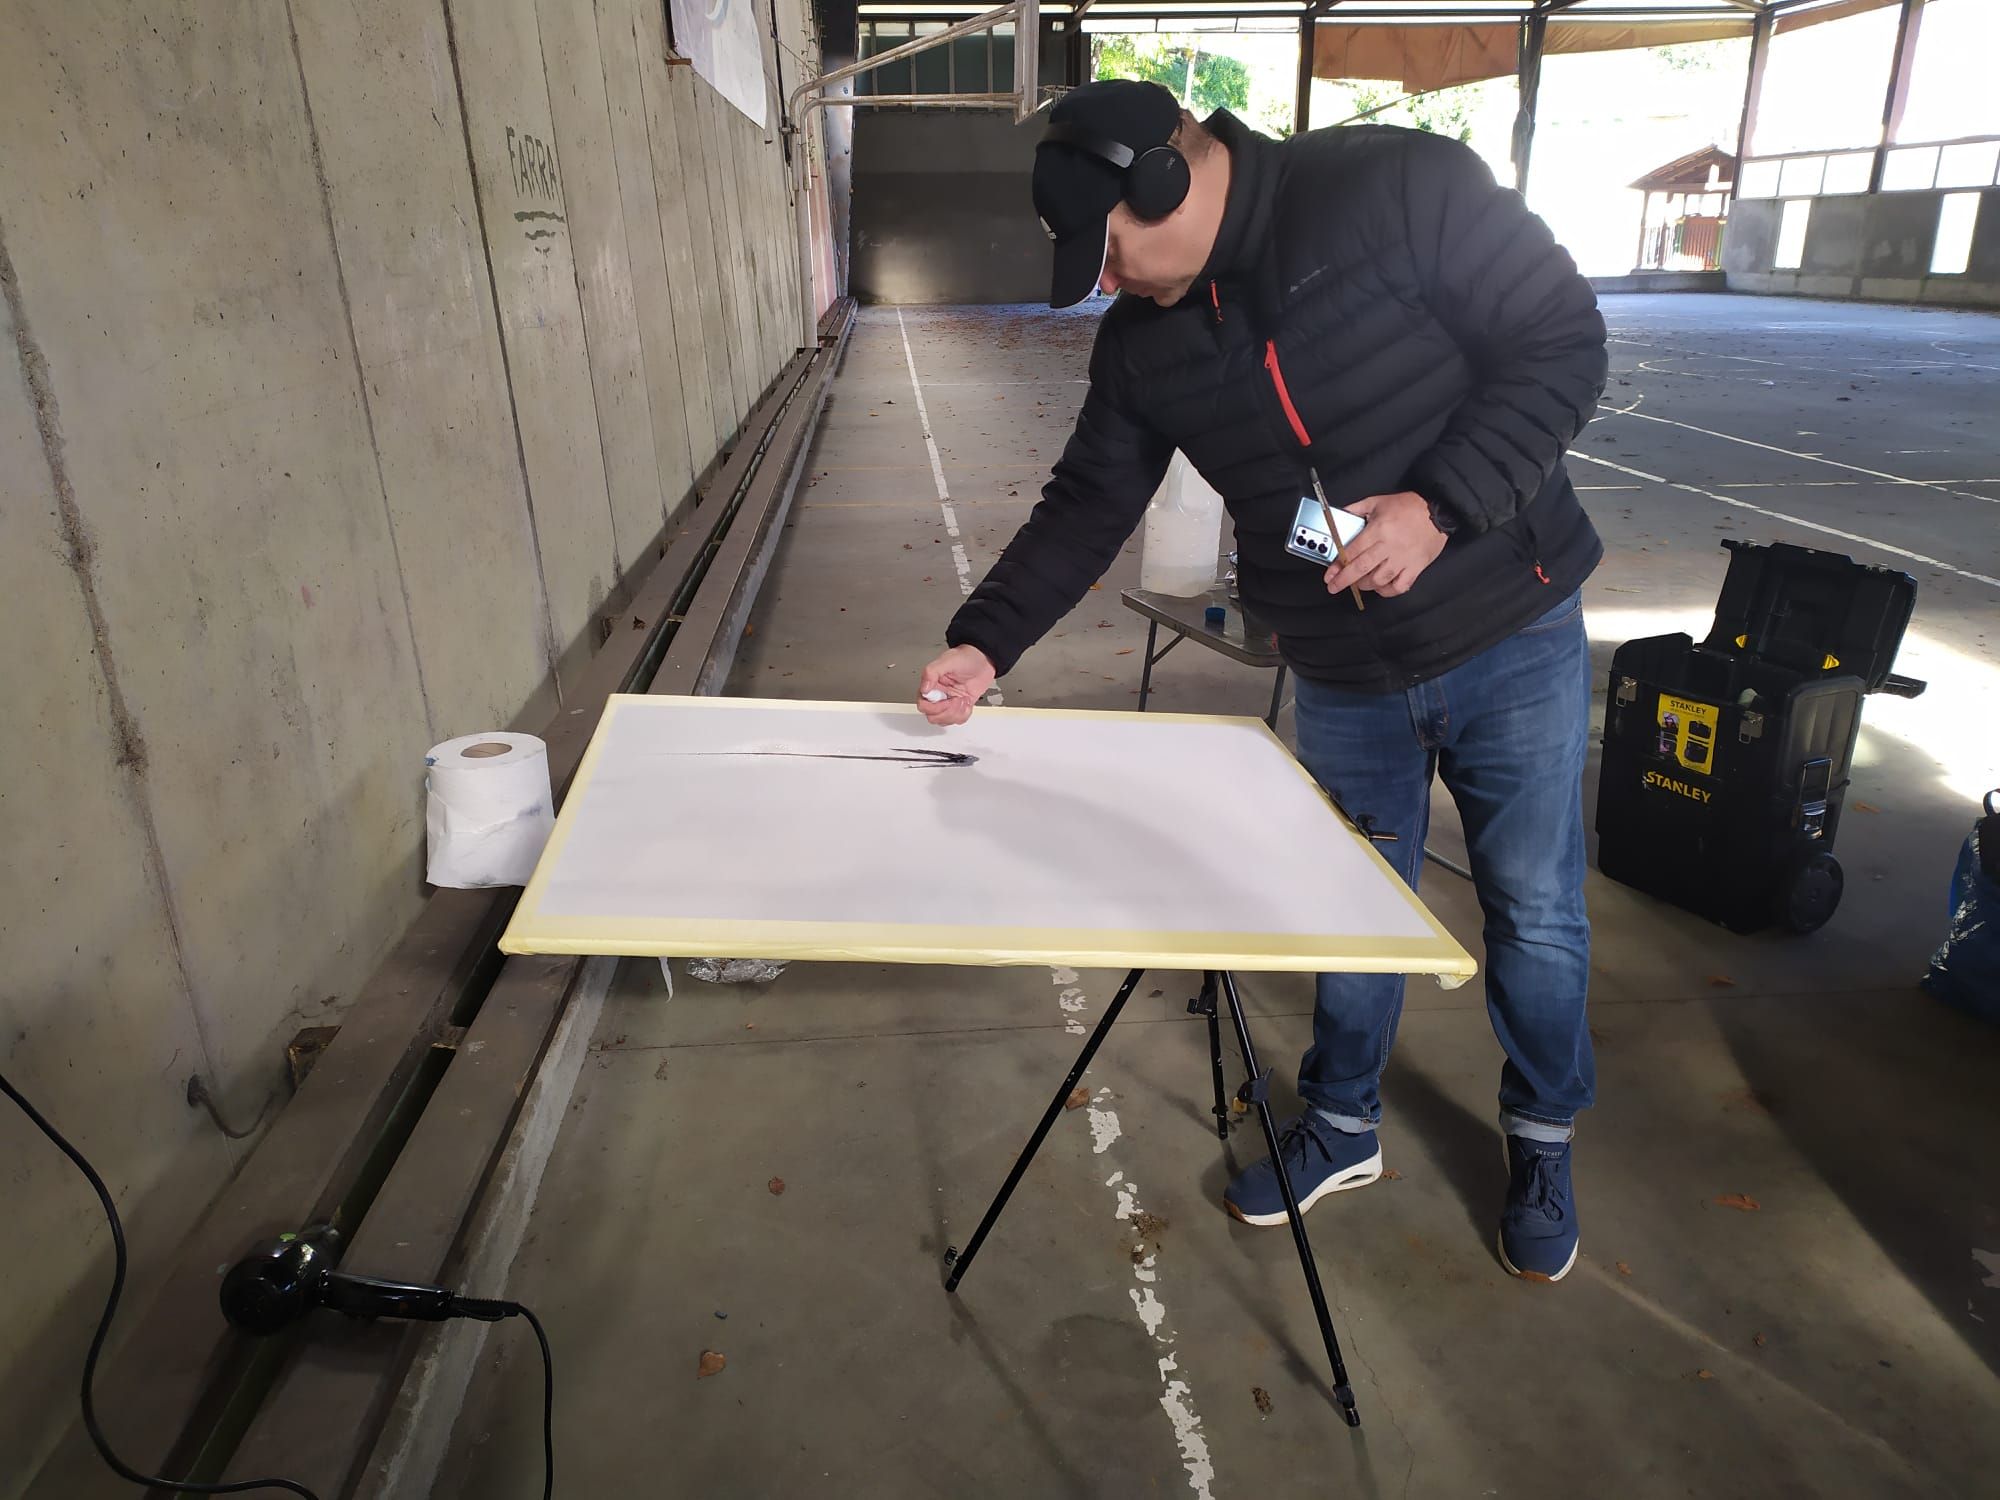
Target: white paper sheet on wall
724,42
705,826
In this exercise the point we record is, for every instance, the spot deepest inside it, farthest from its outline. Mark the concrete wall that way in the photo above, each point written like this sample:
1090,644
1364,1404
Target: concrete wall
354,355
943,210
1875,246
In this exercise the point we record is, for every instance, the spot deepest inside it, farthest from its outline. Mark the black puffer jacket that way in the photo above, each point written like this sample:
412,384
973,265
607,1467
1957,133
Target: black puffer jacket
1426,333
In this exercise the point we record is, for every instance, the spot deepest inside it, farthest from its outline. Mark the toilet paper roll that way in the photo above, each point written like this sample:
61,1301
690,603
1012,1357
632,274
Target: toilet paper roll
491,809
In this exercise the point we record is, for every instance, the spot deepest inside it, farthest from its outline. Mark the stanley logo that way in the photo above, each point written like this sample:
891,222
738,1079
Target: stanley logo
1668,784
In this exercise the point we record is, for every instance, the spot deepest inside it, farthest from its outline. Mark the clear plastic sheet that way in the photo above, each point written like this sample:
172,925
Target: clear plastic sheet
1965,971
734,970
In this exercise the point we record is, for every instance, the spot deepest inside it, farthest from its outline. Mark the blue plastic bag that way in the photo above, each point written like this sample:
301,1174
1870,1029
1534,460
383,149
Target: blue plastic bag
1965,972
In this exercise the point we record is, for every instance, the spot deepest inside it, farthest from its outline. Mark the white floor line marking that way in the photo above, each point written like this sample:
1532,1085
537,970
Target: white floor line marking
1817,458
959,560
1778,515
1176,1396
1804,484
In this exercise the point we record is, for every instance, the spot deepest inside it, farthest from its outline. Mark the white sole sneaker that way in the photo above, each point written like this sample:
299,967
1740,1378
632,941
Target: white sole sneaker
1359,1175
1500,1244
1500,1241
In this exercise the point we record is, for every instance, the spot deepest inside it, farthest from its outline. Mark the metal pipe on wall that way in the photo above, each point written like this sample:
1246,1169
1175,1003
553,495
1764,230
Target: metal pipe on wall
811,96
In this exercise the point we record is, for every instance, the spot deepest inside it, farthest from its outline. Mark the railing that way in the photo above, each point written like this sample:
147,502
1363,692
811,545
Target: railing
1693,243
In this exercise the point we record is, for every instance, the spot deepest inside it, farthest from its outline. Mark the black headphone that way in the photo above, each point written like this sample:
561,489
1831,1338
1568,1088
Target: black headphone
1156,179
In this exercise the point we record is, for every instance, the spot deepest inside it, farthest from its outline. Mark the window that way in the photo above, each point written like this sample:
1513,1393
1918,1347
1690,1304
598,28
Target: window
1799,176
1792,235
1760,180
1969,165
1951,82
1911,169
1848,173
1824,82
981,63
1957,214
893,78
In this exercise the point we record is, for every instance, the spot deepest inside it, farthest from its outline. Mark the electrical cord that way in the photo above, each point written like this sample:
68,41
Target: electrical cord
484,1310
122,1469
548,1403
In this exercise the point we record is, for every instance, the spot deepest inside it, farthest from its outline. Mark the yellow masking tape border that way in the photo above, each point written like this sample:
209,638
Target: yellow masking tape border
847,942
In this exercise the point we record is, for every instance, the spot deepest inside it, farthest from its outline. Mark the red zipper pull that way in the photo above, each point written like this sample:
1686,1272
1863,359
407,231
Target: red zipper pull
1215,301
1540,574
1284,396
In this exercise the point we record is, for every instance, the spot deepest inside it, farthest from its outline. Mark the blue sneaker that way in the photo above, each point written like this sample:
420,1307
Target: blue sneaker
1538,1230
1319,1159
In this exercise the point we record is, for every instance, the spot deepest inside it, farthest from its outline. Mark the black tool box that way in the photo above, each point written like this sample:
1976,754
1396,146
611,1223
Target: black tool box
1726,763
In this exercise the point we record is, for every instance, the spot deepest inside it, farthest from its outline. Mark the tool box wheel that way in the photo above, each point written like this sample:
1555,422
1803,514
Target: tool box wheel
1809,892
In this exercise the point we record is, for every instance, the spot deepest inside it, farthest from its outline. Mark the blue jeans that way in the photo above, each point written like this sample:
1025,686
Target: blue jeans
1508,732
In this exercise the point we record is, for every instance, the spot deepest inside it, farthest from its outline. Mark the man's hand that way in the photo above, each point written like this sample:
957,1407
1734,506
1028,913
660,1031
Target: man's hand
1398,545
962,674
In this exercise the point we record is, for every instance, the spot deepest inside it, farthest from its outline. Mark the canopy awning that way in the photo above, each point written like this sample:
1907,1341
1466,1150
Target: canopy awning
1421,56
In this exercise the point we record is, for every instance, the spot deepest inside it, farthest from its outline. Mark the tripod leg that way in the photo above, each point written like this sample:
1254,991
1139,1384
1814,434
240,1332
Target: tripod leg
957,1263
1204,1005
1342,1391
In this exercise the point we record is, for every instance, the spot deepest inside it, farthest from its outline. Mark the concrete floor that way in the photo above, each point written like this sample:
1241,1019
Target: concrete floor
1842,1338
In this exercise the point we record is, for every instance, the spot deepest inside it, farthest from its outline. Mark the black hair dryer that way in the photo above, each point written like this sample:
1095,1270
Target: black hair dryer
283,1279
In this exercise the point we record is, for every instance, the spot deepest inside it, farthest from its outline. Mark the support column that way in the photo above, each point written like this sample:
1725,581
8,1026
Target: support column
1534,33
1907,27
839,46
1302,101
1753,92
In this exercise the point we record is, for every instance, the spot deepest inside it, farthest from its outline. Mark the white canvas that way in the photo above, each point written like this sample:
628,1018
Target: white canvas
737,826
724,42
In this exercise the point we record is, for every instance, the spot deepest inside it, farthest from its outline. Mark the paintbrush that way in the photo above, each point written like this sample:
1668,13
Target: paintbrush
1332,530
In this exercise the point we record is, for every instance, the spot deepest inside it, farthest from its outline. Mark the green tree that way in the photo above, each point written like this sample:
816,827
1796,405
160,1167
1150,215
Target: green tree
1217,83
1441,113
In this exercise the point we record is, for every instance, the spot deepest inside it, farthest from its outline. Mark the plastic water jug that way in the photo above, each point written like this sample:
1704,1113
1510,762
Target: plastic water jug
1183,544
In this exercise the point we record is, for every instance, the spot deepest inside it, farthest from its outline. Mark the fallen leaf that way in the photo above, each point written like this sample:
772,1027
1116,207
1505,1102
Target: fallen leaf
1148,1223
1078,1097
711,1364
749,630
777,1186
1392,1174
1757,1339
1742,1202
907,547
1103,624
1623,1269
1721,982
1704,1374
1867,807
1262,1397
1095,587
1156,994
1126,652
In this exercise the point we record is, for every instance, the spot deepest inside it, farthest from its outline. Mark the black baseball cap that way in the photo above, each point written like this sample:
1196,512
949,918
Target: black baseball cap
1075,189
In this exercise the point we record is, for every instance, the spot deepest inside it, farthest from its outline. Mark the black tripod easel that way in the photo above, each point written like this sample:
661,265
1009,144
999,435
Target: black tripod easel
1255,1092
